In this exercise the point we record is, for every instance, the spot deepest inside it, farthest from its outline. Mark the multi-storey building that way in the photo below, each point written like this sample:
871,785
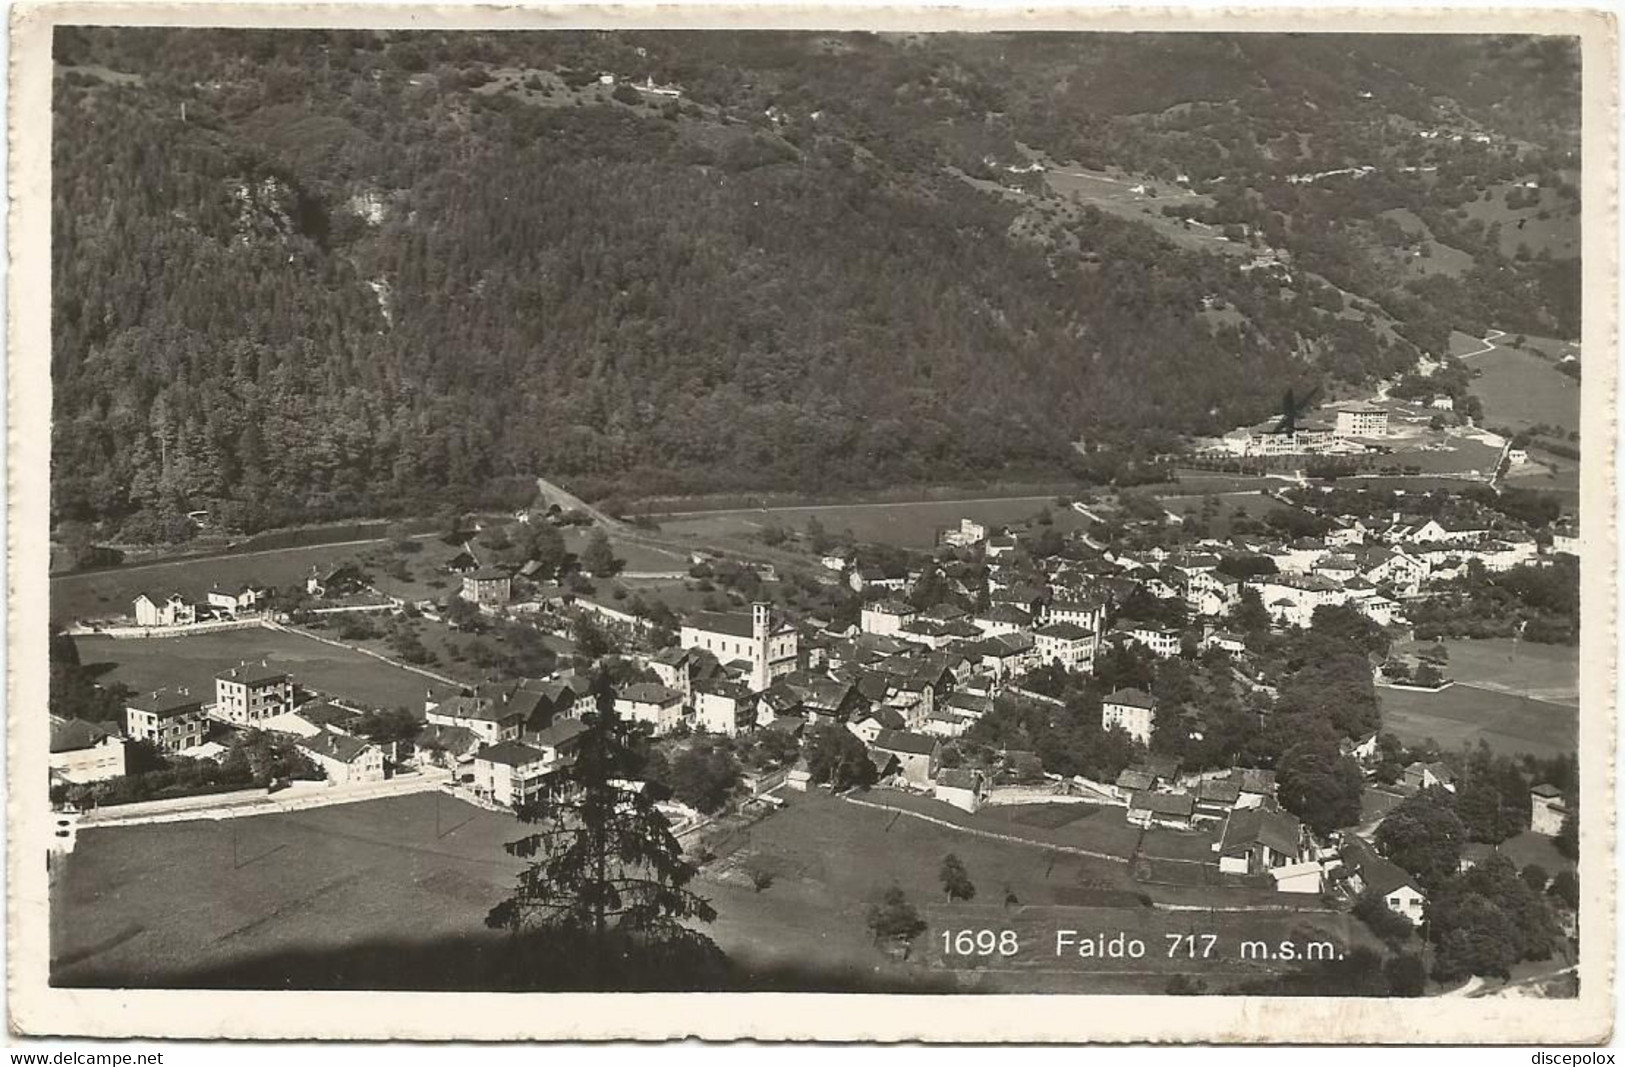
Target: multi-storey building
247,694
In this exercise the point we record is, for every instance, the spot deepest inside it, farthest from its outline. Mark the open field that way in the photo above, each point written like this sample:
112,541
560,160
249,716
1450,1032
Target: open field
638,558
129,905
907,525
193,661
1464,714
1521,668
833,859
393,894
110,593
1520,389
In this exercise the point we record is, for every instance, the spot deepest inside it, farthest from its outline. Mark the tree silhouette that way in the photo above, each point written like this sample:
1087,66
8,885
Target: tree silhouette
604,902
955,879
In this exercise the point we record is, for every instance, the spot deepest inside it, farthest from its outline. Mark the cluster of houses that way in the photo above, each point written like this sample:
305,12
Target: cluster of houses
175,609
173,721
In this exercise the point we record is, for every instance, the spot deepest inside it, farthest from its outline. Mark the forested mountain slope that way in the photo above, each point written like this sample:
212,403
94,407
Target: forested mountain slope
302,274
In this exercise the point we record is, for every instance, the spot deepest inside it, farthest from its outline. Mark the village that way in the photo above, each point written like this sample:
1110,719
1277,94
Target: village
1135,674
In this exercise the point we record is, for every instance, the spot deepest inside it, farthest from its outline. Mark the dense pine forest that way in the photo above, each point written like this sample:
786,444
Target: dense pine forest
303,275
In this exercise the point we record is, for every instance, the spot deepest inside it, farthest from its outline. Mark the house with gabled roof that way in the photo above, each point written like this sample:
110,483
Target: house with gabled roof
1216,798
1255,840
1365,871
346,760
916,756
1173,810
488,712
960,787
1420,775
171,610
83,752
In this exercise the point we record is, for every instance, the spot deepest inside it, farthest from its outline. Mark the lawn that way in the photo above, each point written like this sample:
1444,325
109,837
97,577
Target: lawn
1519,389
147,905
193,661
907,525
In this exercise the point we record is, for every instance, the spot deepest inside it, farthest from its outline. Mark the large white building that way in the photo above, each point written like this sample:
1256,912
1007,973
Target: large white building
1131,710
1067,644
885,617
768,648
1362,420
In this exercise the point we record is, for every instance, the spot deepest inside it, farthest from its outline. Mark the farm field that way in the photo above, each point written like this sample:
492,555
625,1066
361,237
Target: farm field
374,877
906,525
1520,389
1465,714
192,661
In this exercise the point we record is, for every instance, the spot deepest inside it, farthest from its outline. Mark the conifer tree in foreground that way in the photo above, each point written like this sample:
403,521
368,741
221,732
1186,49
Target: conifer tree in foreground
604,901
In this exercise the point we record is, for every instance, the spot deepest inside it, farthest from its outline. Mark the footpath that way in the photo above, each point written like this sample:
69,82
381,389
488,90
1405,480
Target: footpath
245,802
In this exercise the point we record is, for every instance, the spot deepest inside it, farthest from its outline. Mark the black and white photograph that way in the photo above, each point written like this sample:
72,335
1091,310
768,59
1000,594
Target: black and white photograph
945,511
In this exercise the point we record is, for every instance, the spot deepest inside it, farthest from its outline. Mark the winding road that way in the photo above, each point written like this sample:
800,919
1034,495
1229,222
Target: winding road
1488,341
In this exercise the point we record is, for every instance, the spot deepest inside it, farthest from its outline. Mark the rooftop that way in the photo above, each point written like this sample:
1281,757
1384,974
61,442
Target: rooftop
1163,803
72,735
341,747
165,703
511,754
1134,698
649,693
252,674
903,741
